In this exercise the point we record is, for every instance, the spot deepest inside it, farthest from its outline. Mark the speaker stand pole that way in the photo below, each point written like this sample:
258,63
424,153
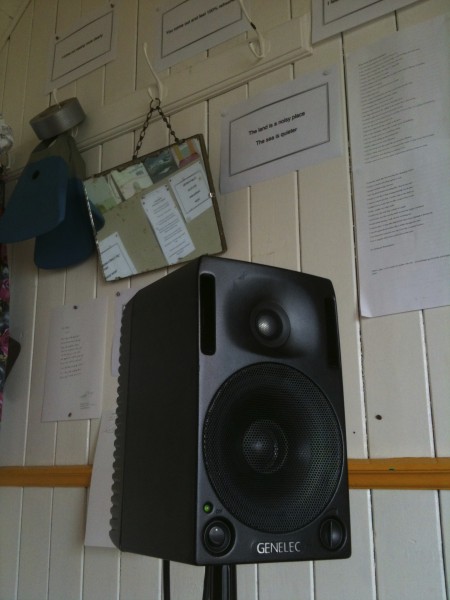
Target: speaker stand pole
220,582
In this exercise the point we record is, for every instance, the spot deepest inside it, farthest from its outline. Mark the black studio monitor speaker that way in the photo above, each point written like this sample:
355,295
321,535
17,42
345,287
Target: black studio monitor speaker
230,434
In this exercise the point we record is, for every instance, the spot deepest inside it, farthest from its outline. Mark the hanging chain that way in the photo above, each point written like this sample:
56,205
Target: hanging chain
155,104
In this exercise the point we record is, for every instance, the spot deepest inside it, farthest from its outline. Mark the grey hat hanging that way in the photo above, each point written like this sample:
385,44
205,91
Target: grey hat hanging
48,202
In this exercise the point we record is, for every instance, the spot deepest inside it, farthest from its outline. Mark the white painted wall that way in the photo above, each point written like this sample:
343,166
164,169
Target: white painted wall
394,366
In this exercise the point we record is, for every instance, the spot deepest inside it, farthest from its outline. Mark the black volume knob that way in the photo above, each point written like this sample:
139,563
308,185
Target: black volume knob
332,534
218,537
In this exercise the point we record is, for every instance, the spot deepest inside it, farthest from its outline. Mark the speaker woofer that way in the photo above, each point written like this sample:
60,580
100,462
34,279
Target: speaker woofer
264,446
273,447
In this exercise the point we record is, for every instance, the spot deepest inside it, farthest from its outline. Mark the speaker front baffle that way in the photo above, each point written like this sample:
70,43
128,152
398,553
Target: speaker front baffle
230,430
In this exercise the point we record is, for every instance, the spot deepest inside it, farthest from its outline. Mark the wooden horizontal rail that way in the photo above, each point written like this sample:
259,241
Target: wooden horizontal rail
374,473
58,476
399,473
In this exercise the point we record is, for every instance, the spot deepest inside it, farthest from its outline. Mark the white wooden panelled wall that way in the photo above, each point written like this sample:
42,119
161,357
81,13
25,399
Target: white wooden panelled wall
395,366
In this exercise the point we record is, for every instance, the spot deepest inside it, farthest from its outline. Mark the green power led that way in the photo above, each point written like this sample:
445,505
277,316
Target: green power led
207,507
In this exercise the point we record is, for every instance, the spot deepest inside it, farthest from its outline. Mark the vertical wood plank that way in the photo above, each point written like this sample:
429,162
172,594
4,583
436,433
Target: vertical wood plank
34,560
327,249
274,218
10,527
140,577
69,11
16,82
247,582
95,559
66,549
437,328
187,581
279,581
267,15
408,548
120,74
234,208
23,284
190,121
35,101
41,437
354,577
3,62
113,153
101,574
444,497
90,87
92,160
99,560
301,8
274,205
396,386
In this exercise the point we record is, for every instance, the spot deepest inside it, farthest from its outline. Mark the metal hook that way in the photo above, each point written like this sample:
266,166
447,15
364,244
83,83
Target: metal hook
55,99
159,83
261,42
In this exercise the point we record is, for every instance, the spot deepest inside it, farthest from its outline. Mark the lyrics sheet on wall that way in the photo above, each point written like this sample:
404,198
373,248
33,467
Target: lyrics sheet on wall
75,358
399,117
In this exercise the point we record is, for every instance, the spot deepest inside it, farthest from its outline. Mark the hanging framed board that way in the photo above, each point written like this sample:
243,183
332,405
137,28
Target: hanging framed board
160,209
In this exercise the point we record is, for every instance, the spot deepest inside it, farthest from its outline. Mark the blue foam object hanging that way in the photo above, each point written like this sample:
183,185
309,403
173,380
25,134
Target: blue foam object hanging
72,241
38,202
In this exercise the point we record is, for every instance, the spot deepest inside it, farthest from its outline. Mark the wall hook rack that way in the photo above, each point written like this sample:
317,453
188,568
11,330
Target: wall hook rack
259,47
162,91
55,97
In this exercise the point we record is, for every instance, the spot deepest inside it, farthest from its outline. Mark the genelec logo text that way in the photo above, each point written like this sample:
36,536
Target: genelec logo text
278,547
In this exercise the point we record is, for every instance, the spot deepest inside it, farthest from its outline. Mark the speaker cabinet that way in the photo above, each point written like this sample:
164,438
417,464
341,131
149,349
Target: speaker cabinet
230,435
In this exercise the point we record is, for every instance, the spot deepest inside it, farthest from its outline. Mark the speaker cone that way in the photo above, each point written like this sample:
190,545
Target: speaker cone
264,446
273,447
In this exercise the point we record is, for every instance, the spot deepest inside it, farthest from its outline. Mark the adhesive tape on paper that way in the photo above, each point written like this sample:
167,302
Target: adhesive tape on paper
57,119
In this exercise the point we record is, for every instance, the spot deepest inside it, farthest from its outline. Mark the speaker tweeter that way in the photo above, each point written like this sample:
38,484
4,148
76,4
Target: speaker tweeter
269,324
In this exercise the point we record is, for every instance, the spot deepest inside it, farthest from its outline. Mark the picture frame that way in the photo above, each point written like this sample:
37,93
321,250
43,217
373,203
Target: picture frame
160,210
